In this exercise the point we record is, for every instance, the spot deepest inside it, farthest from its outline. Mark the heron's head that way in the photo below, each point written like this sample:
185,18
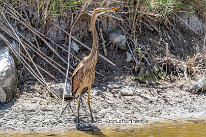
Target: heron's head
100,11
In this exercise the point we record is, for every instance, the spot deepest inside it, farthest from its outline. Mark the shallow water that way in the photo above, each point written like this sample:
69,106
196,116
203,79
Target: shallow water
189,128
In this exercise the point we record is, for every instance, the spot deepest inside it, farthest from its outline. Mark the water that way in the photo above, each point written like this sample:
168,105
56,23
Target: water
190,128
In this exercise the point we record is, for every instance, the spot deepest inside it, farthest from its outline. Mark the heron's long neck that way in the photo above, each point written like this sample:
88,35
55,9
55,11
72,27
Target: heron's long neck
95,46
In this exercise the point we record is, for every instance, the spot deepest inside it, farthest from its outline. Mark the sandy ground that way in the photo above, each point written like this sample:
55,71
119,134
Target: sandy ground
122,102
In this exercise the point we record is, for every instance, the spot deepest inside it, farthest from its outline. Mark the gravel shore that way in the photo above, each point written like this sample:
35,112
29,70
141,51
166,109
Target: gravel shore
119,103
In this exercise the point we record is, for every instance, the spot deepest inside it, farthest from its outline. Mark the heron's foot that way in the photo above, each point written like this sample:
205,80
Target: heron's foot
92,119
78,120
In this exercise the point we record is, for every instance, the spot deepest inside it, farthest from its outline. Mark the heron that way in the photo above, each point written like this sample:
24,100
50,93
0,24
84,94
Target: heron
84,74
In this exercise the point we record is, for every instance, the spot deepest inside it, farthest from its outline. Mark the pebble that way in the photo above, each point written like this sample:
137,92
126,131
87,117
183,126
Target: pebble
118,40
74,46
129,56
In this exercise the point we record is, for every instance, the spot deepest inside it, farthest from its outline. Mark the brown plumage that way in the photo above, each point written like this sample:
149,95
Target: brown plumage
84,74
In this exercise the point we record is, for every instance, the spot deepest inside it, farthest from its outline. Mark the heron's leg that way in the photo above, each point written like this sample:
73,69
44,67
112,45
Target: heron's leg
89,87
79,107
78,93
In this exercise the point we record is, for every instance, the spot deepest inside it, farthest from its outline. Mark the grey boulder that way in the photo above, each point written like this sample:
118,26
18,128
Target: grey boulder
8,77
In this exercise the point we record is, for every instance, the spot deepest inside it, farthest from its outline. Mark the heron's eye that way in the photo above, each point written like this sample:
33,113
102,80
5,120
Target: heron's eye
100,11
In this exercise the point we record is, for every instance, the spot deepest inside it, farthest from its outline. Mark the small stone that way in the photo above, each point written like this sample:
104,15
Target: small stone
129,57
118,40
74,46
127,92
59,89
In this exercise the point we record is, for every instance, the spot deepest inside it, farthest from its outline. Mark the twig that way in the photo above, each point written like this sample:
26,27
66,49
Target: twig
167,56
185,71
103,42
51,62
167,51
68,64
30,25
40,34
28,67
170,39
141,53
39,78
83,44
204,49
34,31
150,66
49,74
24,48
80,60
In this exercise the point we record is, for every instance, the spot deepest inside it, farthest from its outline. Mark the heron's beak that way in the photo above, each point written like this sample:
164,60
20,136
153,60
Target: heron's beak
110,9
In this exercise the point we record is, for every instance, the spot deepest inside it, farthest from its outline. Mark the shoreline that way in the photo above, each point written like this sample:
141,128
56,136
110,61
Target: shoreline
96,130
35,112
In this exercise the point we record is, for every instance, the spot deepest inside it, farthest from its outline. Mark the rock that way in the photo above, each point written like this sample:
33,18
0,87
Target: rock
59,88
8,77
118,40
200,85
129,56
127,92
191,20
74,46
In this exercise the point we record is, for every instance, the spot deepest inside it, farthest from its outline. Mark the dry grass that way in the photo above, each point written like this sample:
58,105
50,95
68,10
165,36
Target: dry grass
192,66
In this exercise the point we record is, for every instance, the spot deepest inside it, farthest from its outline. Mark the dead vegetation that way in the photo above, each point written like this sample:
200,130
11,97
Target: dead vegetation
41,29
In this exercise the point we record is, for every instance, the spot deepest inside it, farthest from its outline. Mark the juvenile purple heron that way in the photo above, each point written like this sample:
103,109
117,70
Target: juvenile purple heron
84,74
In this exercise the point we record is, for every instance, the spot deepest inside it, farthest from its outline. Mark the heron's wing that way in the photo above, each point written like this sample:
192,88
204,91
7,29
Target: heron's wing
77,77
